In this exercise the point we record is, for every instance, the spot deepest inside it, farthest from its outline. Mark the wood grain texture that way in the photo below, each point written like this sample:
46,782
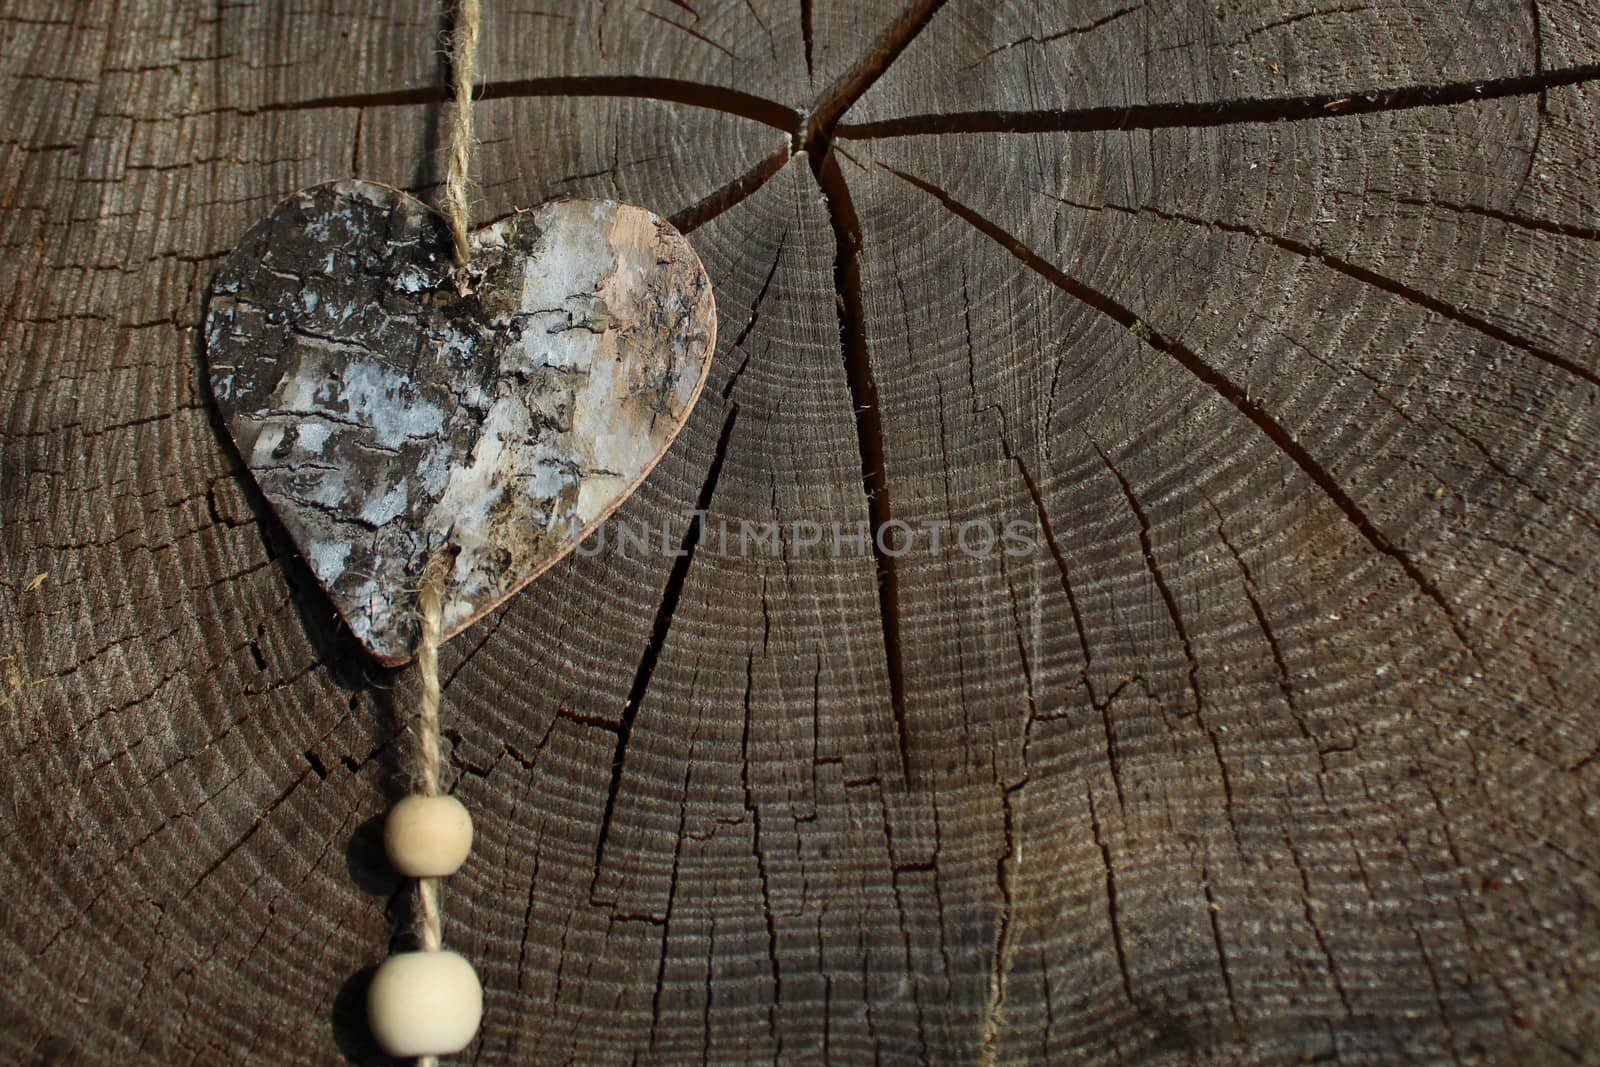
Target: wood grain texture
1274,324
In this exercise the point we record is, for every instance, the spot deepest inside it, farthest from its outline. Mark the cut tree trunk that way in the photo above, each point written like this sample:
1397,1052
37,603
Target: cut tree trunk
1269,333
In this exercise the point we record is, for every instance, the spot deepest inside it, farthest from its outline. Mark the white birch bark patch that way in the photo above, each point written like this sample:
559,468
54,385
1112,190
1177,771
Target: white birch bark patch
387,413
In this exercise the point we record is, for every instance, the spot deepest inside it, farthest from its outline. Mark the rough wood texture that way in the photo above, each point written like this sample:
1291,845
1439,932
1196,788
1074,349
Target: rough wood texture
1276,322
392,408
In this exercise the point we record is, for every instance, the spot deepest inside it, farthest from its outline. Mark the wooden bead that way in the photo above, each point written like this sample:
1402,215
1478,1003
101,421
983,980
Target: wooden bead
428,837
424,1004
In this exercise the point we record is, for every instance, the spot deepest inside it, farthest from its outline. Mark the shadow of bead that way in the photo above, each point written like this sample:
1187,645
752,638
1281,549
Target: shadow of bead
367,863
350,1031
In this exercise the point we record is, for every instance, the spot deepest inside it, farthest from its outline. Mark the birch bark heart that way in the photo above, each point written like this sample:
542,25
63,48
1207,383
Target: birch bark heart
387,412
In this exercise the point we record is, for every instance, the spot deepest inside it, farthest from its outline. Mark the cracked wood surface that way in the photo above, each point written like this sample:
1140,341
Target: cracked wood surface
1275,323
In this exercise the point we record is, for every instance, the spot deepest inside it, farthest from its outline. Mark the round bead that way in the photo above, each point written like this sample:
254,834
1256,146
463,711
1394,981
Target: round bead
424,1004
428,837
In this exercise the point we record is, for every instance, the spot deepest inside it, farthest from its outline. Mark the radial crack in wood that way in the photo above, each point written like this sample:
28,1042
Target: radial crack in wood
1246,308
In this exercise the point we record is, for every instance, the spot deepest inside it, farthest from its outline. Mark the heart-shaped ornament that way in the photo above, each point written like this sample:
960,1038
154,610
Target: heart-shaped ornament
391,407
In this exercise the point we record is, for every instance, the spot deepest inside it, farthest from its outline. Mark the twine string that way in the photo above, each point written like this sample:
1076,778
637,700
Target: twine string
430,617
430,594
430,612
463,57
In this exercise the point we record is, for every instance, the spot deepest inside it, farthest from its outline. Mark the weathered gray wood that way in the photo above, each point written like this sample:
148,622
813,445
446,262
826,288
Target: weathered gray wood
1274,322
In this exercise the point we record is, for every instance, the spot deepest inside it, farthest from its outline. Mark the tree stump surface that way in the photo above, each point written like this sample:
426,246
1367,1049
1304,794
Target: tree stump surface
1272,325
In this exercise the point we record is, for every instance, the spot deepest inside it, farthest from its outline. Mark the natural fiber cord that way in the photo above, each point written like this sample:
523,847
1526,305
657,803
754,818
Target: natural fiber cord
430,601
463,57
430,594
430,610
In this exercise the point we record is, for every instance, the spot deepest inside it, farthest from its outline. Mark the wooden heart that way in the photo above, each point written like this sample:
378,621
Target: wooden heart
390,408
